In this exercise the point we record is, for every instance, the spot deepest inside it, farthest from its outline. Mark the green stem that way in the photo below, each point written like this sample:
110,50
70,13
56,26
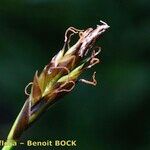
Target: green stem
16,130
9,147
22,122
10,140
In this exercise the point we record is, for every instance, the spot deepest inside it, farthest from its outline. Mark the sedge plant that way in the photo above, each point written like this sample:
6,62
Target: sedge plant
58,78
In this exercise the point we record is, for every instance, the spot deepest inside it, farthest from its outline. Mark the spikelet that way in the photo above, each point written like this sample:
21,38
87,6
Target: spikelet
60,76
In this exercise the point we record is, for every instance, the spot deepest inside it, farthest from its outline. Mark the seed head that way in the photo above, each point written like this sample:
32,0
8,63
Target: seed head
61,74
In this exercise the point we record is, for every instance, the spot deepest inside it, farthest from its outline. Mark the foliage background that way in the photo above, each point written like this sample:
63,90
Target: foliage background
112,116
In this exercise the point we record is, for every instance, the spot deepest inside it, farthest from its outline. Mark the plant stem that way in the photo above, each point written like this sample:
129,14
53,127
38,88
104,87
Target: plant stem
9,147
16,130
22,122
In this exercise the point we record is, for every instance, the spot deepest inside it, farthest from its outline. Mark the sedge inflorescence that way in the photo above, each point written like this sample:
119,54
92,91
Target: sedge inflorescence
61,74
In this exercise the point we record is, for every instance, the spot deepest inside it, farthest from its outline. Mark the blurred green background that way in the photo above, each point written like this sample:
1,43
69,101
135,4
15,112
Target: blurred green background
112,116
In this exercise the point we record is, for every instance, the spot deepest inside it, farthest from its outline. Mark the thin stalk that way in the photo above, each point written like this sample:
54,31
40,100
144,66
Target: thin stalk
12,134
9,147
17,130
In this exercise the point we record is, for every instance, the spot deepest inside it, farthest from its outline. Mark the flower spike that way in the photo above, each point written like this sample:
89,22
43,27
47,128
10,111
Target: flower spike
59,77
